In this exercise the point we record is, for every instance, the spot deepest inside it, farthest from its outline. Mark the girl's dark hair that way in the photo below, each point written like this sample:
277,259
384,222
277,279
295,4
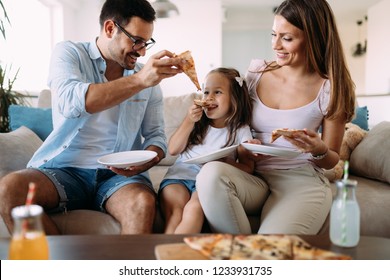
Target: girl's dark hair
324,51
122,11
240,110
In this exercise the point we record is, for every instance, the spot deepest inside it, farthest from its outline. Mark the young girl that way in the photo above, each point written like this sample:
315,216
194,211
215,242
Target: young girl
223,123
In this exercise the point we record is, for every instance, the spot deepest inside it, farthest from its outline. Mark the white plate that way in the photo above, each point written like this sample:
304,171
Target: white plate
272,151
212,156
127,159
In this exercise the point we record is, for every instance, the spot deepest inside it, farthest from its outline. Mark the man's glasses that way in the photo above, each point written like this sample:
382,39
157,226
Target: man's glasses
138,44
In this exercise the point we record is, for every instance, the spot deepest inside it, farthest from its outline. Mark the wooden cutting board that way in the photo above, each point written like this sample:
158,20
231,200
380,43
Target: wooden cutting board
177,251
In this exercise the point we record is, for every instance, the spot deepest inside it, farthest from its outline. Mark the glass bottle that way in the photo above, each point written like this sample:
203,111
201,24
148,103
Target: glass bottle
28,240
345,215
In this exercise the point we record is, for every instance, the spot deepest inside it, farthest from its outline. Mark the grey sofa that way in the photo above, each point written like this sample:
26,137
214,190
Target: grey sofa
370,165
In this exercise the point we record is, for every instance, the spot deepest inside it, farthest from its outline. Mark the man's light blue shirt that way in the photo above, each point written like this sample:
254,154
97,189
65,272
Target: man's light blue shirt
73,67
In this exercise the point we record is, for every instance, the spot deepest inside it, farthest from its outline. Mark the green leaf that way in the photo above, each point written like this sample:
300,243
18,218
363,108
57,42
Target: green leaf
8,96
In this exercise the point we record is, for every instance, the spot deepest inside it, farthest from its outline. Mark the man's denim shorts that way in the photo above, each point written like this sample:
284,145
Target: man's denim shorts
80,188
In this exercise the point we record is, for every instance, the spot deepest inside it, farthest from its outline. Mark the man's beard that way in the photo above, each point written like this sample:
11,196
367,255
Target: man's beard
131,55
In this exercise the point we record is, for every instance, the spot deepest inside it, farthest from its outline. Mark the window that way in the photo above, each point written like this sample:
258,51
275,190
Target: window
28,43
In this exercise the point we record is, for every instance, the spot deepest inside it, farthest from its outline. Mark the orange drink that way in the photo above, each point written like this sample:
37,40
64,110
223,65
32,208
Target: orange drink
28,239
31,246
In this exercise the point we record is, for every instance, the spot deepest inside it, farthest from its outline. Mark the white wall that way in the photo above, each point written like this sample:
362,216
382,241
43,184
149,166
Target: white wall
377,71
246,35
81,19
378,107
378,55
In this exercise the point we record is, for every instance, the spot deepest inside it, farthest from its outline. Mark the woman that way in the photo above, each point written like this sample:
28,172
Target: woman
308,86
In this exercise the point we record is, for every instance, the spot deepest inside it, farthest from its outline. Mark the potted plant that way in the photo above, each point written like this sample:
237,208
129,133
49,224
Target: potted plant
7,95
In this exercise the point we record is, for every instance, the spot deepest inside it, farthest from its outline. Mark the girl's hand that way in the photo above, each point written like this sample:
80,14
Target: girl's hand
195,113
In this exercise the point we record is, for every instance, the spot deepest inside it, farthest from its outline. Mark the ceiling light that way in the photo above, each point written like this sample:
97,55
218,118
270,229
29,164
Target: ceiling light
165,9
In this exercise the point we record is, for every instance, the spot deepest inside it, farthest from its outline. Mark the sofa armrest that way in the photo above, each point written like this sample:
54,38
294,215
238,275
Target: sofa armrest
16,149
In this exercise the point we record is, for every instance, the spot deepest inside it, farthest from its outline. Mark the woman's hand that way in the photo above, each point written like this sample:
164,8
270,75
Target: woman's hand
308,141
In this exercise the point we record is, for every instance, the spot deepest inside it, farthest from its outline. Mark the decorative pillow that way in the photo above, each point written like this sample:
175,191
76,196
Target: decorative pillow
175,109
37,119
361,117
16,149
371,157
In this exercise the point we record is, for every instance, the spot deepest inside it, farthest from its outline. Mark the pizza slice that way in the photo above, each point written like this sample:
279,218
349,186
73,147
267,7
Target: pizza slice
188,67
283,132
261,247
213,246
304,251
202,103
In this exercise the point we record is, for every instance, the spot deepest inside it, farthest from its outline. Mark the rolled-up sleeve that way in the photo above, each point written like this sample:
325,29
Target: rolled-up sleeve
69,79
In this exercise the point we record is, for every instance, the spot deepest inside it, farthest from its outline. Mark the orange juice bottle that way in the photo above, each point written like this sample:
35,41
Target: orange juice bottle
28,239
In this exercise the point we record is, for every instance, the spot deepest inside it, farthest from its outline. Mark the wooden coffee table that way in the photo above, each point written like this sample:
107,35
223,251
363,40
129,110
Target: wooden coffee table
142,247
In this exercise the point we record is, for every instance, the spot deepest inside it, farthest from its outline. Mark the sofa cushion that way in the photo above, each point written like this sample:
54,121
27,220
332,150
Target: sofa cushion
37,119
16,149
373,198
371,157
86,222
175,109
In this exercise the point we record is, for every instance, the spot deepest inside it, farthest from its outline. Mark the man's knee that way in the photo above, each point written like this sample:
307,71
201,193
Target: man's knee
138,200
145,199
12,191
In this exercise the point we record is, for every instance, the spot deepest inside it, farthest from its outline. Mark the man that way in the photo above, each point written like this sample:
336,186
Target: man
103,102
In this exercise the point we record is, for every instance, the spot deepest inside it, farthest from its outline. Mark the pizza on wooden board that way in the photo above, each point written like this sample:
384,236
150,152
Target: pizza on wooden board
258,247
188,67
284,132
